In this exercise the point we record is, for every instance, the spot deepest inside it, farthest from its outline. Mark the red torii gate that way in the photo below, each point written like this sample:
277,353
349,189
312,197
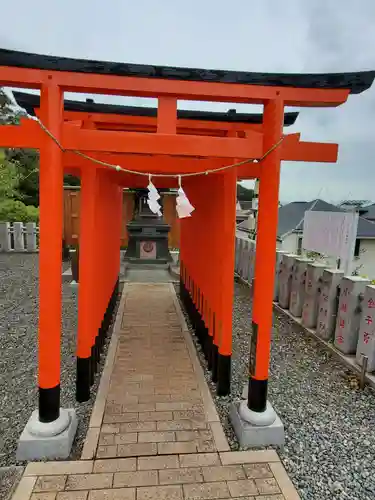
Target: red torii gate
175,148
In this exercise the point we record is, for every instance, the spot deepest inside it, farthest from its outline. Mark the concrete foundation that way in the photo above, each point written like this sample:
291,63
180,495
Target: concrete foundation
255,436
48,441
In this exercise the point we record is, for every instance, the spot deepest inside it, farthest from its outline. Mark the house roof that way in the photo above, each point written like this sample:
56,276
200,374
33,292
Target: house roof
369,211
366,228
355,82
291,217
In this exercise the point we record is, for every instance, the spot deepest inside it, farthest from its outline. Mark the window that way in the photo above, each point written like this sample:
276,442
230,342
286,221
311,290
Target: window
299,246
357,247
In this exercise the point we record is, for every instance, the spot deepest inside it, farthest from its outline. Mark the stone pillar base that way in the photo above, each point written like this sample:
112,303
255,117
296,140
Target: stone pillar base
256,436
50,441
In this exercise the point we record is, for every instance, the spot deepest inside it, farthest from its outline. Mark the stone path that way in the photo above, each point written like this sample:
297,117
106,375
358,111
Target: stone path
147,275
154,431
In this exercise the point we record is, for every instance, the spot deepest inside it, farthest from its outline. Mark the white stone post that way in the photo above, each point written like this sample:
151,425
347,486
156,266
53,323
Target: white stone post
312,293
297,295
5,239
366,338
237,254
279,255
251,269
244,259
19,242
349,313
328,303
287,264
31,245
241,257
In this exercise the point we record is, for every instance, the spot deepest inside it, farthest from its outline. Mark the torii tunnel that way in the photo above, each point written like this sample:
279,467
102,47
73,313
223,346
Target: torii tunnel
167,141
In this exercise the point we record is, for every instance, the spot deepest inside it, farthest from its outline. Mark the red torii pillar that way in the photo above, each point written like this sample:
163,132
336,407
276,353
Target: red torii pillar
99,261
256,409
50,277
210,235
87,320
226,213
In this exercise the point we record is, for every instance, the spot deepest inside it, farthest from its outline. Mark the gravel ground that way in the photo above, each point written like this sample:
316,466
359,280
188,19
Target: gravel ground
329,423
18,360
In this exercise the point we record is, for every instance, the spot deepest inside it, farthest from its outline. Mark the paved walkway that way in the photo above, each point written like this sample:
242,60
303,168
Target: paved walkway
154,432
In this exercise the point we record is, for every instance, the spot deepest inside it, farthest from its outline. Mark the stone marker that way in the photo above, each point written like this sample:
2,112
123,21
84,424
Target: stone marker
366,338
328,303
241,263
297,294
287,264
279,257
237,252
5,241
19,242
251,262
349,313
31,245
313,285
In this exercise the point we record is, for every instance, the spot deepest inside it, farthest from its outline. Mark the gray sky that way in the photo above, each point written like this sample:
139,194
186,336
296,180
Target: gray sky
262,35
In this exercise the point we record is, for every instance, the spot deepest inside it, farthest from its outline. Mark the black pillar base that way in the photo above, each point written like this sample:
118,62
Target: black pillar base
83,379
100,337
223,375
208,349
257,396
200,331
214,362
92,365
97,351
49,404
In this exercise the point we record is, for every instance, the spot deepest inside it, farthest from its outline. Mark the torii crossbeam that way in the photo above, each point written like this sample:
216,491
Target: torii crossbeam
167,142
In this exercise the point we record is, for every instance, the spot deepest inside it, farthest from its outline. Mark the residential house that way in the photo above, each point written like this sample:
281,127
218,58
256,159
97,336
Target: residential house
290,232
368,212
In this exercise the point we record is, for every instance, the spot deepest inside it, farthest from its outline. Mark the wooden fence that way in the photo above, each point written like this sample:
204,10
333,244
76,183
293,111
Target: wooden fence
72,211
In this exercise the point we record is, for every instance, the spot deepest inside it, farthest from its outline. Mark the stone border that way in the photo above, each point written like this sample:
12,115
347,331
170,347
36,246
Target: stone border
284,481
25,488
92,436
212,416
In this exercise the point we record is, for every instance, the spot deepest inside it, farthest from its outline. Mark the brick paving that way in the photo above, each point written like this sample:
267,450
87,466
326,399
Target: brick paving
154,431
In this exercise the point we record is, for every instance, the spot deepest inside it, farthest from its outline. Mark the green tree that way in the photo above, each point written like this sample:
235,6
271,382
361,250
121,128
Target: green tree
25,161
27,164
9,179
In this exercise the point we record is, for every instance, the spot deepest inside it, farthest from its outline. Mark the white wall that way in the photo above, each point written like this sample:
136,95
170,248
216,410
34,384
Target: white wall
290,243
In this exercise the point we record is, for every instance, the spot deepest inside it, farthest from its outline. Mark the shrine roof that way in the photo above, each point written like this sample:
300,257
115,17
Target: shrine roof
355,82
31,101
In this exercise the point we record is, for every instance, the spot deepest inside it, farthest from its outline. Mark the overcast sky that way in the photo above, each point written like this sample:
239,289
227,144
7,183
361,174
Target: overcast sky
263,35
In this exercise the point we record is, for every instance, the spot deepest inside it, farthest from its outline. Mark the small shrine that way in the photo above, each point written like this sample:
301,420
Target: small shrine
148,234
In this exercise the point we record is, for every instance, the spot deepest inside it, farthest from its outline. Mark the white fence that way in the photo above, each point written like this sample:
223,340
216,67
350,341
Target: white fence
19,237
336,308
